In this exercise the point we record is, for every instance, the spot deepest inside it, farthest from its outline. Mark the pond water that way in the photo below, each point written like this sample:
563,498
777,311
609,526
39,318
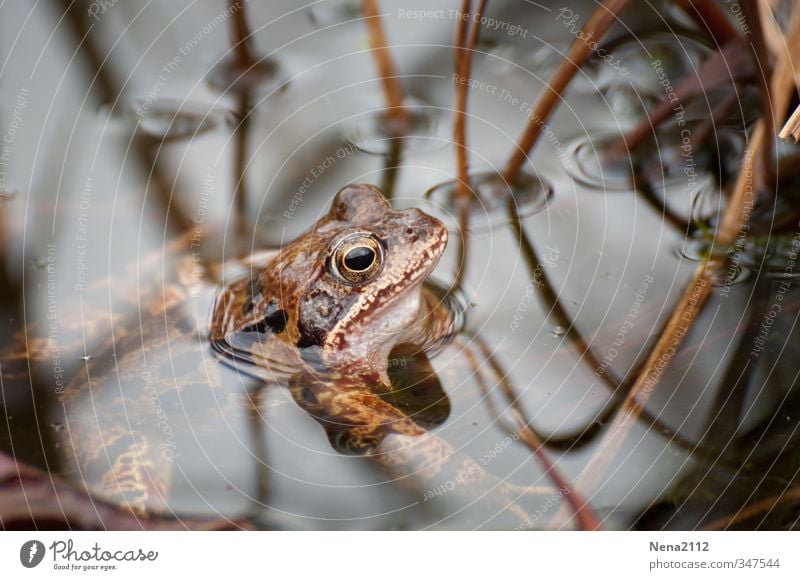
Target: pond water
91,159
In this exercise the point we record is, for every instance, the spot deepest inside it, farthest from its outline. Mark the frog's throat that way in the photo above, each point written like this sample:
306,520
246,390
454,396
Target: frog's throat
434,326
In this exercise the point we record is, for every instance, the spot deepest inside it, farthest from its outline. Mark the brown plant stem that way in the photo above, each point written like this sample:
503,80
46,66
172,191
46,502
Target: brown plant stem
241,134
762,69
730,64
760,507
392,87
710,17
465,48
786,72
776,41
792,126
241,40
595,28
680,322
257,420
463,63
731,227
241,36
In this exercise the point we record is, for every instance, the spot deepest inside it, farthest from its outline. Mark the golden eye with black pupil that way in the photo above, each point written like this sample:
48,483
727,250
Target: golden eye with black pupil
357,259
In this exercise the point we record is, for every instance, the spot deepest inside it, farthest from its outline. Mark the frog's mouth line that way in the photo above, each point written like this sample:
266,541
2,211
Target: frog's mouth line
389,295
417,274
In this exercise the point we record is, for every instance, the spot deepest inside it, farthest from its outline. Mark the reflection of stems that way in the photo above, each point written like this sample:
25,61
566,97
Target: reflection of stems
463,64
256,420
390,80
241,39
585,516
556,310
792,126
784,72
726,414
730,64
240,163
595,28
645,189
145,151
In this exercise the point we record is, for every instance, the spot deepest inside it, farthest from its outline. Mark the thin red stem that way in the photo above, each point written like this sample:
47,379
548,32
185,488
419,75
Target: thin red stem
592,32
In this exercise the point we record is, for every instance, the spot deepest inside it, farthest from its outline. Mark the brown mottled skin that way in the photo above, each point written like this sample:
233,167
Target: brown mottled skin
344,334
295,321
344,326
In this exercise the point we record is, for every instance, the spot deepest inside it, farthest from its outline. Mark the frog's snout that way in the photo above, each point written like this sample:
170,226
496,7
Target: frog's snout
426,228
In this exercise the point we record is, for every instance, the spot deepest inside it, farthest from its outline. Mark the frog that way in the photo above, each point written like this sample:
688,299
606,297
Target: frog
320,316
339,300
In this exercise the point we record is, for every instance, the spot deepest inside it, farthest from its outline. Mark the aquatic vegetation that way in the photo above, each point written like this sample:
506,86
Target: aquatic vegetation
204,322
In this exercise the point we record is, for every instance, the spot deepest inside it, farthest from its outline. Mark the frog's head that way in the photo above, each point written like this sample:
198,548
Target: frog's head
349,288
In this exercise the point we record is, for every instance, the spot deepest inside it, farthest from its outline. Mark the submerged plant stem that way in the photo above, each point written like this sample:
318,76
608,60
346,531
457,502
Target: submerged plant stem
586,518
618,386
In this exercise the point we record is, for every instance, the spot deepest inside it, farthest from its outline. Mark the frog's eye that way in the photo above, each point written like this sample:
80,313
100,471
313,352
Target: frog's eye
357,259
